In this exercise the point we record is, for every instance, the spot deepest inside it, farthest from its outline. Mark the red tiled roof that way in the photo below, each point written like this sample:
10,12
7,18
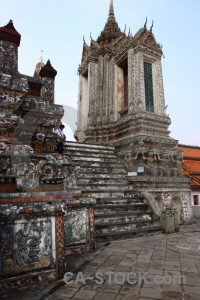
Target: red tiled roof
191,158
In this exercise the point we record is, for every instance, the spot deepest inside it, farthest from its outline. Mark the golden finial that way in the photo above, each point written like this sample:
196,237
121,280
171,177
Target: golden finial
111,9
41,57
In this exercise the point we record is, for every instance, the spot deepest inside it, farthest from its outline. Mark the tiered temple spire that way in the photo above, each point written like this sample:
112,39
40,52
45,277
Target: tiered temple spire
111,28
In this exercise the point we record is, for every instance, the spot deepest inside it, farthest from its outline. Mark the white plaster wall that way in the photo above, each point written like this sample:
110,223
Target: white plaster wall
115,104
119,84
195,208
83,105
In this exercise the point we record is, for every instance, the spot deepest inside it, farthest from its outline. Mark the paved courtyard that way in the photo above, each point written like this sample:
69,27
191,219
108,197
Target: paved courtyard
163,266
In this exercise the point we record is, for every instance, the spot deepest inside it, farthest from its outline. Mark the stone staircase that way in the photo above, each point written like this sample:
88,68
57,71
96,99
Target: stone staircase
119,212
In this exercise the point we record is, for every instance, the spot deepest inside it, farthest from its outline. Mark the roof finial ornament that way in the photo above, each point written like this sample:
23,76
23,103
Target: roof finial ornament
145,24
41,57
111,10
91,35
129,32
83,39
151,26
125,29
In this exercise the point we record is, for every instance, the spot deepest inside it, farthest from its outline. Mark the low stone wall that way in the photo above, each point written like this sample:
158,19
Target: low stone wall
33,235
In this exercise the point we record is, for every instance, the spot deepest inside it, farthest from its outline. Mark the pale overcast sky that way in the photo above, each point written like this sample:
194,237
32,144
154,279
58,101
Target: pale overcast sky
57,28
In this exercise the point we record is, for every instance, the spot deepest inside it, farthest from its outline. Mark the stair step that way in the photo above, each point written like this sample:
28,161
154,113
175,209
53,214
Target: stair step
89,151
116,202
103,189
125,218
88,145
122,214
103,176
139,198
124,223
100,169
91,155
121,234
103,194
101,181
120,206
94,160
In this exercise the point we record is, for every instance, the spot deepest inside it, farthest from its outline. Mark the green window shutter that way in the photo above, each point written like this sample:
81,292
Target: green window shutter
148,81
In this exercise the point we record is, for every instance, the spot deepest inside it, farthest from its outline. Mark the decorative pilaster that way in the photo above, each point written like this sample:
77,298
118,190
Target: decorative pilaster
100,90
92,70
60,255
111,91
92,228
141,92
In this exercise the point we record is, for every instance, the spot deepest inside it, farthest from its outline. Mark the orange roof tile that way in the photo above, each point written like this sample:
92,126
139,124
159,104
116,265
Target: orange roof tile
192,152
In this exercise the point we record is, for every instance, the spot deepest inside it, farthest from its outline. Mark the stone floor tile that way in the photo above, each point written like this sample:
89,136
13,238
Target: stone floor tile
155,266
172,287
172,257
187,260
104,270
122,269
143,260
191,289
151,271
117,278
141,298
188,269
112,288
95,264
150,292
173,268
191,296
172,273
191,266
169,295
105,296
172,263
109,266
85,294
75,284
62,297
141,265
157,261
152,280
126,297
67,290
129,290
192,278
131,255
125,264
